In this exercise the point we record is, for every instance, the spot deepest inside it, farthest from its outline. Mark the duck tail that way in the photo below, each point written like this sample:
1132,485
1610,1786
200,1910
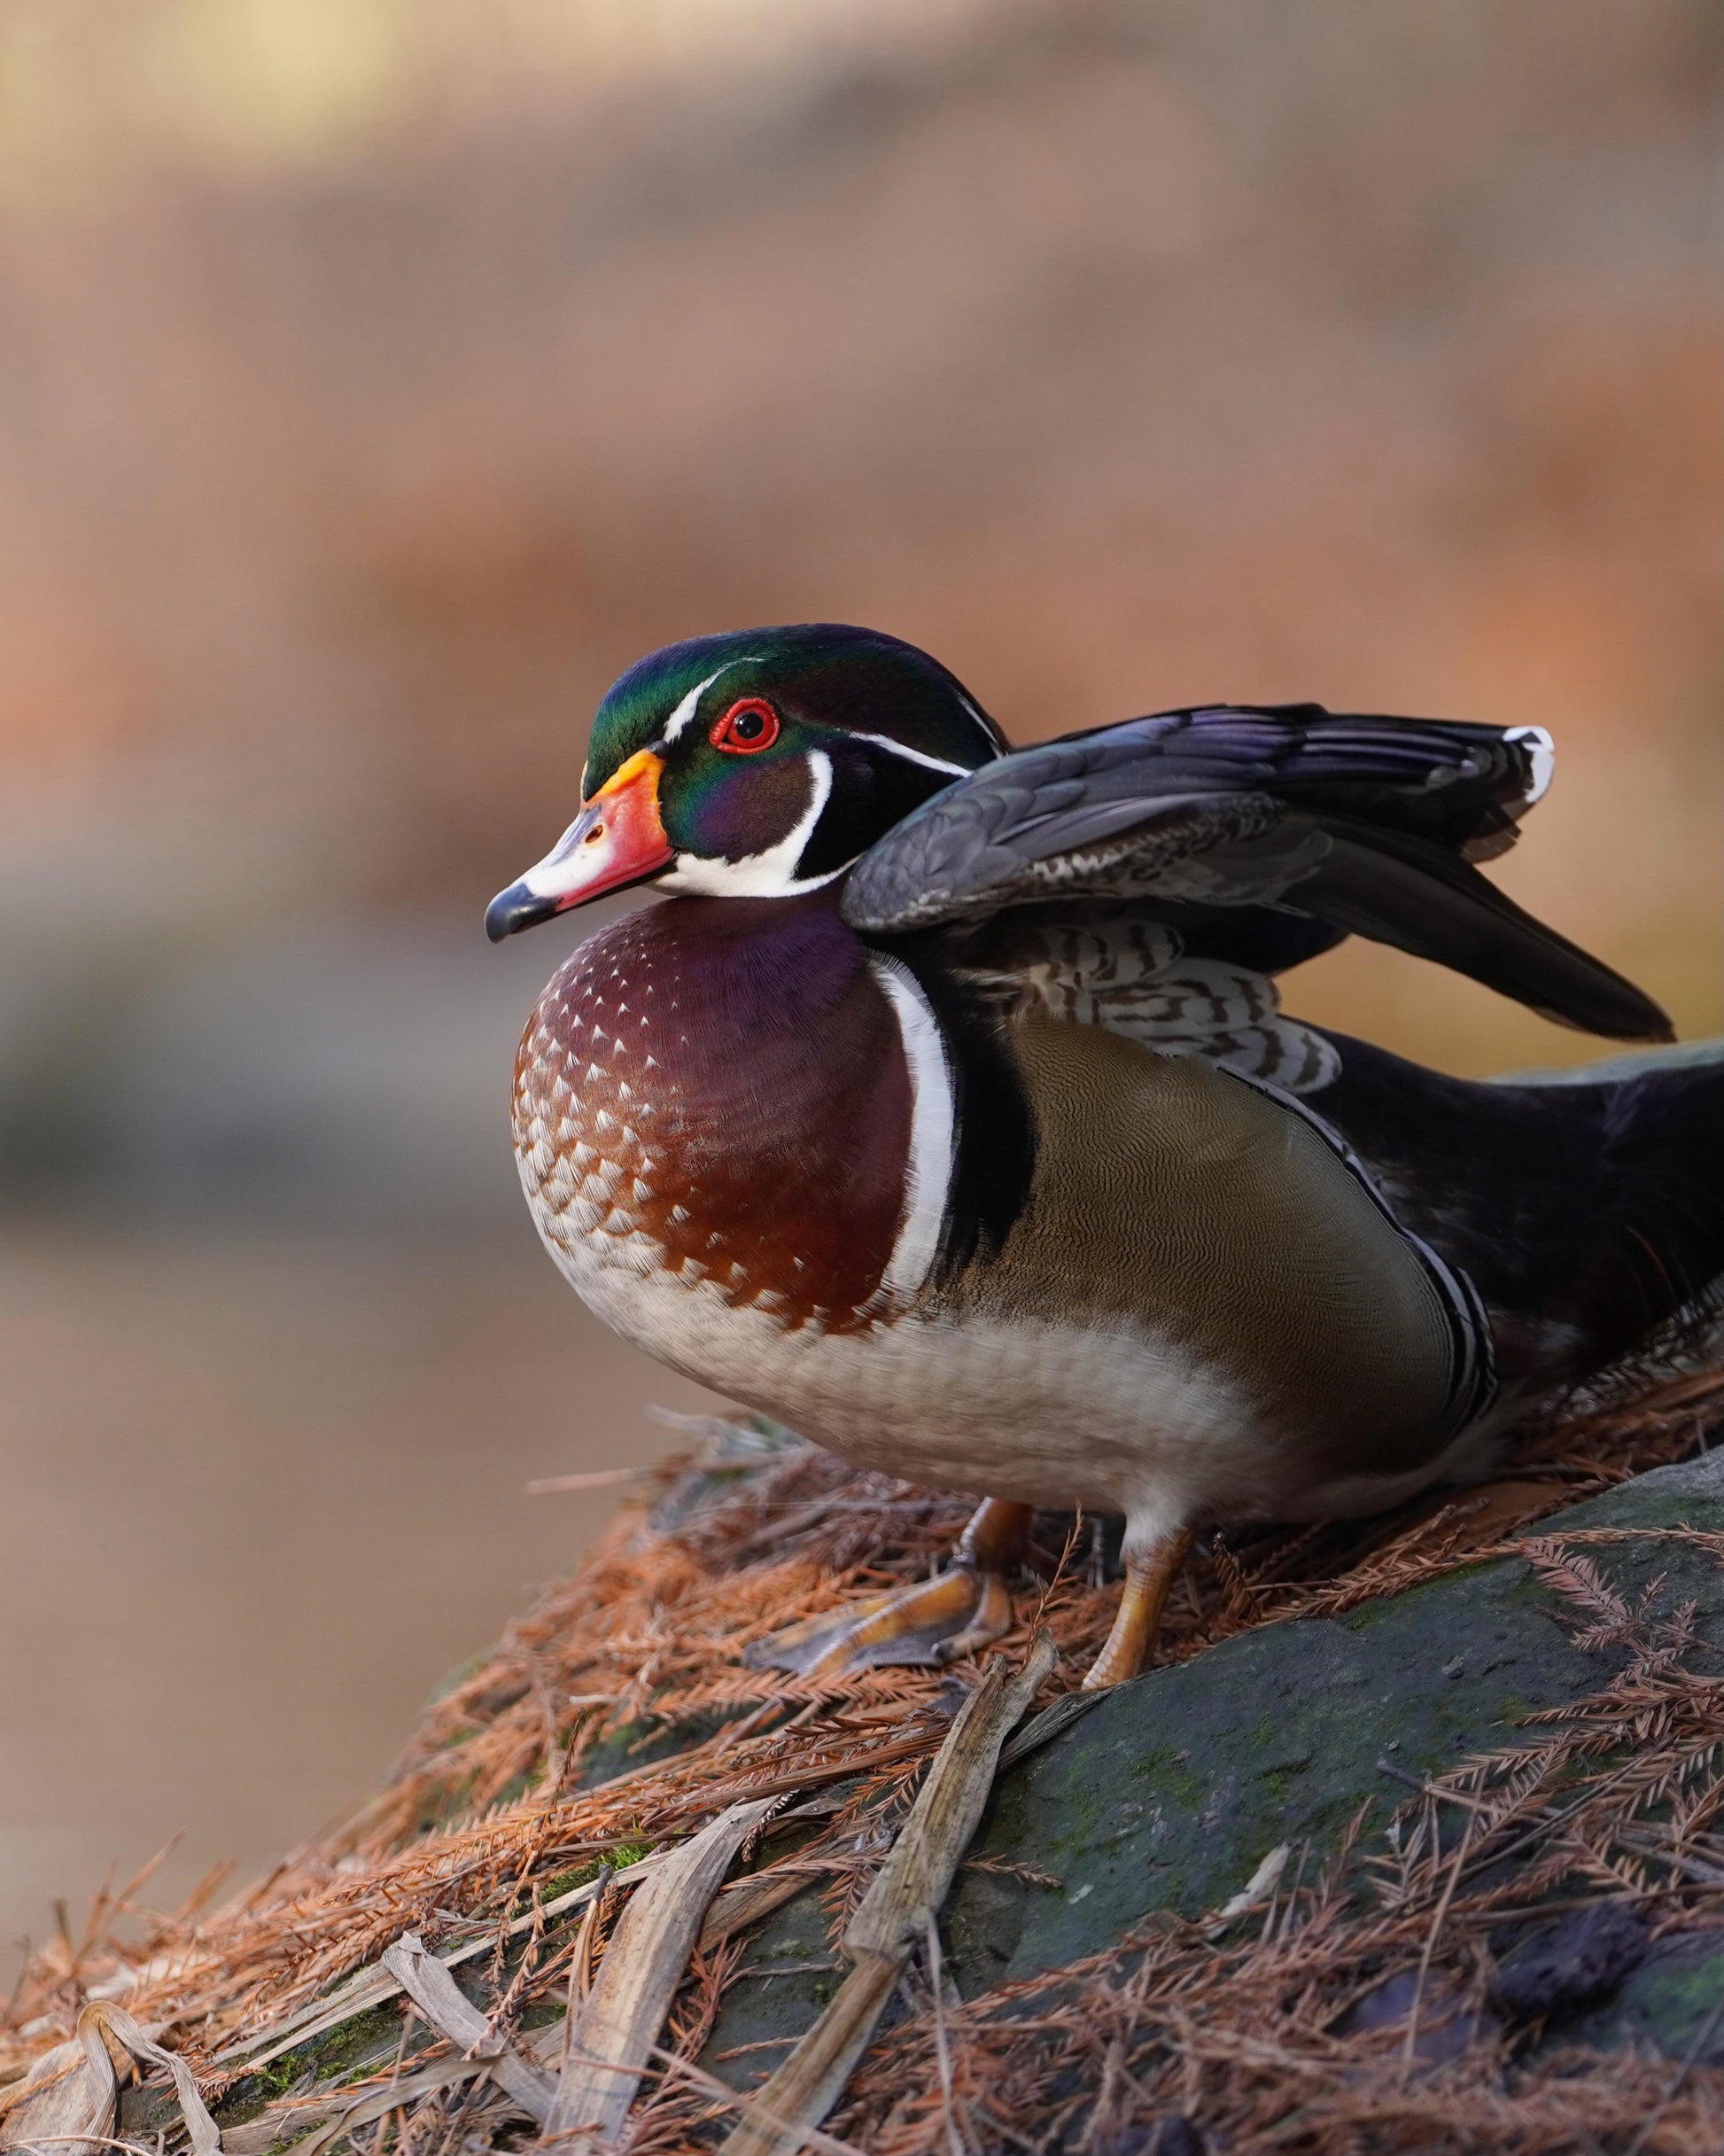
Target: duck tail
1662,1151
1586,1206
1667,1120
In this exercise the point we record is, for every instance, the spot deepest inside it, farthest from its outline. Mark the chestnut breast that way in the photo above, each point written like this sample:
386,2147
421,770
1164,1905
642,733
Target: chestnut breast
717,1089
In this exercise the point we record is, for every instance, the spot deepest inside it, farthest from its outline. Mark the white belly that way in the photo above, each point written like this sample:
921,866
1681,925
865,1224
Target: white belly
1057,1415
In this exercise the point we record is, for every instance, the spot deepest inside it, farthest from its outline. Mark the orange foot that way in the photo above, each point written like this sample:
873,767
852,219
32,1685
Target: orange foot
940,1620
1148,1576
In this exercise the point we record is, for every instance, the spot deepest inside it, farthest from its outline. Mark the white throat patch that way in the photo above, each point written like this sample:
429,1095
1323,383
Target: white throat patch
772,873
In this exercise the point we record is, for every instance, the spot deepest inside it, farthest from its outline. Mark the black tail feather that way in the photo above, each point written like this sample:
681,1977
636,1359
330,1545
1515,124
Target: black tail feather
1665,1127
1588,1209
1408,892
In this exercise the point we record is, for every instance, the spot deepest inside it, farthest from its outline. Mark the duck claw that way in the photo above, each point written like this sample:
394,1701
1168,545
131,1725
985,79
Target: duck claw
938,1621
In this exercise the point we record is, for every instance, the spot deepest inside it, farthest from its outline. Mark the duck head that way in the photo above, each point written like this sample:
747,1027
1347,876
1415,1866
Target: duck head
755,764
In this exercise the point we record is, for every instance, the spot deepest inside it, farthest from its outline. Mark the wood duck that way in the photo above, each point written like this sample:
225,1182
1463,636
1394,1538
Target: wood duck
947,1112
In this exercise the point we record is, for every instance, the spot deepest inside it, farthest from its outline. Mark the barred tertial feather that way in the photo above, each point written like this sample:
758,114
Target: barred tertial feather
1133,978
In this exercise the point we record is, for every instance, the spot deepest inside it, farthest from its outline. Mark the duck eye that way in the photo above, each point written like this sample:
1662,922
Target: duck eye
748,727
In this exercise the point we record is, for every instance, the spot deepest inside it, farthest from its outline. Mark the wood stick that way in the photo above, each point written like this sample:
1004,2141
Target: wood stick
907,1894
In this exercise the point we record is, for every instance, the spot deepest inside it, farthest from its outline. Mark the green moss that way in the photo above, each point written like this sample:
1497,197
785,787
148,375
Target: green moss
1077,1826
279,2075
356,2043
342,2052
1665,2002
1524,1591
1678,1995
1172,1774
619,1859
255,2092
1278,1779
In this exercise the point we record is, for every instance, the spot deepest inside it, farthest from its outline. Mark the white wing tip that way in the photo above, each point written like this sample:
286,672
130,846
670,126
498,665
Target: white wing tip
1541,751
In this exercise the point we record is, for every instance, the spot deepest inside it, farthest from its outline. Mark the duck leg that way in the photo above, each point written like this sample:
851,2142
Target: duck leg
1148,1576
939,1620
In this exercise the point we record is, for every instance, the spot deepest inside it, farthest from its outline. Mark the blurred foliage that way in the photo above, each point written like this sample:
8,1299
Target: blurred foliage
93,90
379,376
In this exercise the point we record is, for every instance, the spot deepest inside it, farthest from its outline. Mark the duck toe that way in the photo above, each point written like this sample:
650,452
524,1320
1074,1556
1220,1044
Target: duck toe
942,1620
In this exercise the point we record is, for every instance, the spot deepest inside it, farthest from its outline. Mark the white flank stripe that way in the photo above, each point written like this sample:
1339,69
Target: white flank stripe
933,1130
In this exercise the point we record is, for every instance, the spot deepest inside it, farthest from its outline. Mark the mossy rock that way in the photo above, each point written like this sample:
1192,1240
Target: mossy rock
1667,2003
1171,1790
339,2056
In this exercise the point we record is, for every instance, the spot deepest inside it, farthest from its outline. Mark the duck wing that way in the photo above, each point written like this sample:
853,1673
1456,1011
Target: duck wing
1365,825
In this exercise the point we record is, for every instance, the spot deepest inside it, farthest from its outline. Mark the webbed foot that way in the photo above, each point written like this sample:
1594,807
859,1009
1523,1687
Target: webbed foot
938,1621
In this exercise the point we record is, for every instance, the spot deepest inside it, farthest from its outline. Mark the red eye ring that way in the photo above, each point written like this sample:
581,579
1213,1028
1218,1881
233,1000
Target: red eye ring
750,725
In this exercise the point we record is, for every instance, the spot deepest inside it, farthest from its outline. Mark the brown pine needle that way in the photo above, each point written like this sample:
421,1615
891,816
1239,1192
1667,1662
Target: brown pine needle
629,1680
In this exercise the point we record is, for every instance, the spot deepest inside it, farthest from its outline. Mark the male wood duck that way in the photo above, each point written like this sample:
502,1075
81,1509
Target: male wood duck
947,1113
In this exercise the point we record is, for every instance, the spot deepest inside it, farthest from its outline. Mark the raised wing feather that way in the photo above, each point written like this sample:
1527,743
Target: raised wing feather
1368,824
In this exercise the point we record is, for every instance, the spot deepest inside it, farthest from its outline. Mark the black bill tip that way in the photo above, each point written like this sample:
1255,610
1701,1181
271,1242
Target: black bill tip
515,909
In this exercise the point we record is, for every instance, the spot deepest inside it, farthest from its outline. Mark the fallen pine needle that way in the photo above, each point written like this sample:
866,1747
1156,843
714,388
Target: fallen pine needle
910,1888
595,1478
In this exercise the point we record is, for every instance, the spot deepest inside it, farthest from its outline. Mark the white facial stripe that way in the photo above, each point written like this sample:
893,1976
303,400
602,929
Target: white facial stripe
771,874
1542,750
684,711
678,722
912,755
982,726
933,1130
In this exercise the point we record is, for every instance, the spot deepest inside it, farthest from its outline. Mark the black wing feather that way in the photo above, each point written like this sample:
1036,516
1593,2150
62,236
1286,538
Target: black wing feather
1367,824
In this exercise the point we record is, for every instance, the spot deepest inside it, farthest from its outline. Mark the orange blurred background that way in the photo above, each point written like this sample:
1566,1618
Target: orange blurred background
377,377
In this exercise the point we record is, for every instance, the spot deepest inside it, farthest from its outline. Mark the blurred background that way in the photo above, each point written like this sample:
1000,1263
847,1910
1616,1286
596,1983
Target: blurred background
377,377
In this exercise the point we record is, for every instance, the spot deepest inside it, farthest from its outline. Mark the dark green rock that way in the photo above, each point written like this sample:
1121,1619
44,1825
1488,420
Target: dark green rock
1171,1791
1666,2002
790,1967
